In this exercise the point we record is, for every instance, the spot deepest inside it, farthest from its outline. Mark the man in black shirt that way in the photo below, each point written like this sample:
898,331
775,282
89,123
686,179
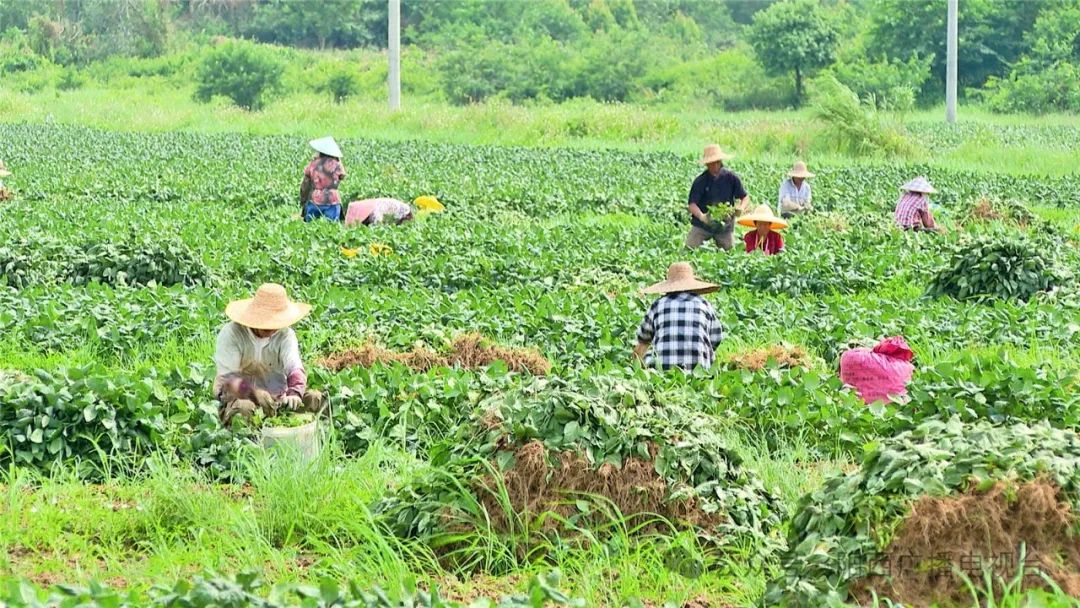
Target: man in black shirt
715,187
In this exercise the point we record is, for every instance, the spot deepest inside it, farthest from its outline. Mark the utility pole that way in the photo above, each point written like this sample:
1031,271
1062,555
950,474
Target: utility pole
950,65
395,55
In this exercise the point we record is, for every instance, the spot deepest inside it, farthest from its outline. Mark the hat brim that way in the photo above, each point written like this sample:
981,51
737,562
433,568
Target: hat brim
775,223
325,147
920,190
804,175
690,285
5,173
715,158
240,312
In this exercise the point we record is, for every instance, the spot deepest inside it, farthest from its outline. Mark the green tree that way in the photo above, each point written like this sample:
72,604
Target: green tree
799,36
991,35
241,71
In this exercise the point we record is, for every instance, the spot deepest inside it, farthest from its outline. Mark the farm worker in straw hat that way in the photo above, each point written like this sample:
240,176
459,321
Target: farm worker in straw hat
258,358
319,190
913,207
795,194
764,237
377,211
4,194
715,187
681,327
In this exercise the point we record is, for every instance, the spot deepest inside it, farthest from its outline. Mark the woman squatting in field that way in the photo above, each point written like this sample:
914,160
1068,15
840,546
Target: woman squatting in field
258,358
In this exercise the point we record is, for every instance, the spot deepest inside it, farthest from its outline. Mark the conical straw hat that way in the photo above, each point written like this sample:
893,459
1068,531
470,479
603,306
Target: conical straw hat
919,184
762,214
713,153
327,146
4,170
799,170
680,277
269,309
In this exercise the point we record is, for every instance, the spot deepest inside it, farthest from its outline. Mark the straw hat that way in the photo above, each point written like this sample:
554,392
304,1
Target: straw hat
680,277
429,203
919,184
269,309
327,146
4,170
713,153
762,214
799,170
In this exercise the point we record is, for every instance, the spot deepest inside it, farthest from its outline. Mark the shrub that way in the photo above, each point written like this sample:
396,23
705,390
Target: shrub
341,82
134,262
241,71
993,268
856,127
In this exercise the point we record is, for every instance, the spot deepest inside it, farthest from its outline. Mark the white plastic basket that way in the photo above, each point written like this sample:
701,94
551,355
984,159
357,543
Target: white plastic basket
305,439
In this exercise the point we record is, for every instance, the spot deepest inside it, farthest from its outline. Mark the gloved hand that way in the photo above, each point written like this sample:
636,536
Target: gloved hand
715,227
291,403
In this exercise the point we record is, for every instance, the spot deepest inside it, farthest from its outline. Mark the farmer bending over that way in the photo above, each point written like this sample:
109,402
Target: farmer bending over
378,211
258,358
319,190
681,327
716,186
913,208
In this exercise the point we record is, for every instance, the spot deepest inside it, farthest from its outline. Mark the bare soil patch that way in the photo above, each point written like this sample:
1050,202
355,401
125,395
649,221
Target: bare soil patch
974,531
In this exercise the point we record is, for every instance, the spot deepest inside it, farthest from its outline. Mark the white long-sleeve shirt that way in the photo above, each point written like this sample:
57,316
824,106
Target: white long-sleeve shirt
800,196
272,364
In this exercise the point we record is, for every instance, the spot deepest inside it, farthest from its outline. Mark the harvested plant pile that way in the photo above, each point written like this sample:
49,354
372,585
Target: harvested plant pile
971,492
546,449
470,351
995,268
782,356
1010,211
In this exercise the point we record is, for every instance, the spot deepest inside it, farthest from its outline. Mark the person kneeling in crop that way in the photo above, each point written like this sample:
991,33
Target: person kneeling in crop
913,207
681,327
258,358
764,237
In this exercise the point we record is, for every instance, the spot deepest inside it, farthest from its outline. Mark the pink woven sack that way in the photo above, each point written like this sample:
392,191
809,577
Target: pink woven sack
880,373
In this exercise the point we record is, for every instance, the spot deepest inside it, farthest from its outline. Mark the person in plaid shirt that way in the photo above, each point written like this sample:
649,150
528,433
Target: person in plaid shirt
913,208
680,330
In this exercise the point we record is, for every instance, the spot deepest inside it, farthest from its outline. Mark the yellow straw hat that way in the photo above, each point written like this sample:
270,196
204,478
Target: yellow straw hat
269,309
680,277
428,203
713,153
4,170
799,170
762,214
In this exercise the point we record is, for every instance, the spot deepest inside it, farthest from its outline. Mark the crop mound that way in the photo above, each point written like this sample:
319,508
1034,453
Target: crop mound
1009,211
137,263
994,268
981,530
942,494
782,356
548,458
540,482
470,351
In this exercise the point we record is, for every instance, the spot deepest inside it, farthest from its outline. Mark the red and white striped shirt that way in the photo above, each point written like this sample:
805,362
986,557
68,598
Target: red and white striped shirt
908,208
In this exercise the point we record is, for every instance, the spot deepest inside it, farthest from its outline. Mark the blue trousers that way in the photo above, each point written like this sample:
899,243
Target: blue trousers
313,211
